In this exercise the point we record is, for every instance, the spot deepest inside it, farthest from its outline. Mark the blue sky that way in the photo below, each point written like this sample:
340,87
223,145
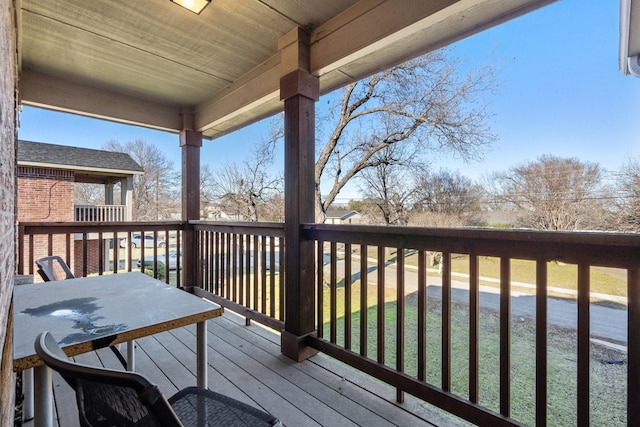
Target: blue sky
561,93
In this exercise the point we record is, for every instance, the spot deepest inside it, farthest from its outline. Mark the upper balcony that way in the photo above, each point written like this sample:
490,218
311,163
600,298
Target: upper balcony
101,213
48,173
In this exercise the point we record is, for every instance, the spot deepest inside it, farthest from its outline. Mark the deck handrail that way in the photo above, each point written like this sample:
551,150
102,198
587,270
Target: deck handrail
240,265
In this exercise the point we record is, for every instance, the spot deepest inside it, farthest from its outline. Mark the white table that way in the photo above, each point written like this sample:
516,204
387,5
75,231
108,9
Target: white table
95,312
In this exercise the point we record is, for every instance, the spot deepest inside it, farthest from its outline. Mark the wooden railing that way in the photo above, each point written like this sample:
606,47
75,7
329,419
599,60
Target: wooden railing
100,213
98,248
240,268
379,293
364,296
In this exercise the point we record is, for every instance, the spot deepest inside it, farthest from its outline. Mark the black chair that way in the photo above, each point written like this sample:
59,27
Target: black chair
53,268
107,397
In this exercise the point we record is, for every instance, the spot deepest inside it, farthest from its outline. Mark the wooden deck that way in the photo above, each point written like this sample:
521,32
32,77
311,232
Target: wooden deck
245,363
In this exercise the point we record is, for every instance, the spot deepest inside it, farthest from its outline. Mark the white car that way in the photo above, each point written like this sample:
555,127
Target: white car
173,260
149,242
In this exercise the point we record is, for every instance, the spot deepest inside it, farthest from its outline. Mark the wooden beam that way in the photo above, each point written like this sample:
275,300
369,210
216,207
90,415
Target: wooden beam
41,90
376,35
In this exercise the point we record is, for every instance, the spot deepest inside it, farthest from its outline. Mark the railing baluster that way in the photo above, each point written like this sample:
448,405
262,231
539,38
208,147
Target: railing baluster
256,275
364,318
281,258
248,269
263,274
320,287
541,343
333,303
234,268
446,321
241,254
422,316
178,258
400,309
380,302
348,312
272,277
205,260
68,249
474,327
216,255
505,336
584,344
100,253
227,268
84,254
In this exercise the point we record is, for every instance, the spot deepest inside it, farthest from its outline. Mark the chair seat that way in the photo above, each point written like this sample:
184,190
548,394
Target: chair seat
200,407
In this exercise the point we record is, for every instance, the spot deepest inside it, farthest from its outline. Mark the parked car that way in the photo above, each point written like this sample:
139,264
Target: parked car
149,242
173,260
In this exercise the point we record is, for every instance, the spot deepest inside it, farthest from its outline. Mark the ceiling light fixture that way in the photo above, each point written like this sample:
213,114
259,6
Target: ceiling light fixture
195,6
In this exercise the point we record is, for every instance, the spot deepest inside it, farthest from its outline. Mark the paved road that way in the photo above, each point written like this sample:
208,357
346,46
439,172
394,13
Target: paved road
608,324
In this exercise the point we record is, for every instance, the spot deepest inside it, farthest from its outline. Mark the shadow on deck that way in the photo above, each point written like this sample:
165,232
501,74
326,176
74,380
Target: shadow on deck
246,363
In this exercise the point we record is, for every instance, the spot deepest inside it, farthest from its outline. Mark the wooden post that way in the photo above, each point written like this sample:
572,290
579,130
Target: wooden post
191,142
300,91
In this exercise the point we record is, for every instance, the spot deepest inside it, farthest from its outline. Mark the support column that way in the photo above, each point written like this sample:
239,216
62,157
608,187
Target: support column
191,142
108,194
299,90
126,196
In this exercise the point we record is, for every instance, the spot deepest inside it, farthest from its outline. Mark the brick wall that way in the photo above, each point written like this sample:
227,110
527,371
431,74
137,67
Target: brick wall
45,195
8,84
92,261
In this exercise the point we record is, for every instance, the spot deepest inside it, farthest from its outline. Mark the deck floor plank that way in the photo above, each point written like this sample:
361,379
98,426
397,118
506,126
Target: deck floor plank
331,400
254,380
245,363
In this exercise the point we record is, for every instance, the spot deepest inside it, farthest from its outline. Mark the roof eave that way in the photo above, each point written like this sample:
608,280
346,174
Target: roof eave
100,171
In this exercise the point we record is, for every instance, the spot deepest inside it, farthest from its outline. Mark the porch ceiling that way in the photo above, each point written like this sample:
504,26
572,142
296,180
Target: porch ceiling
144,62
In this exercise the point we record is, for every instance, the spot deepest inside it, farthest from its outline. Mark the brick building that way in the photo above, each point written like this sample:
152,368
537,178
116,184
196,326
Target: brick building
47,174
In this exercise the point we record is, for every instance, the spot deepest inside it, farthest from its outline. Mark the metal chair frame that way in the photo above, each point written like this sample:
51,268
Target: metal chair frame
110,397
47,268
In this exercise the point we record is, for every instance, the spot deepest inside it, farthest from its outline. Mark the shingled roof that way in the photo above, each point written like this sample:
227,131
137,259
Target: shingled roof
39,154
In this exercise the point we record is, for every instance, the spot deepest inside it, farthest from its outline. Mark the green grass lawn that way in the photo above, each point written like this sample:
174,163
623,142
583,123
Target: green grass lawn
559,275
608,381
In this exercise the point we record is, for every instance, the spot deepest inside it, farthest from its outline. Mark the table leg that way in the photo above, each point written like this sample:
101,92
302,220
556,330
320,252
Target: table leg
131,355
43,397
202,354
27,390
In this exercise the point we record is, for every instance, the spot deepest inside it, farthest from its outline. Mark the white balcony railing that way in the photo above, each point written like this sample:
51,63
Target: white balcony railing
102,213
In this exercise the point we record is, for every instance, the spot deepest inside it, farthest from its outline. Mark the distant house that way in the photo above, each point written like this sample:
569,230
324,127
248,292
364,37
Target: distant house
343,217
46,177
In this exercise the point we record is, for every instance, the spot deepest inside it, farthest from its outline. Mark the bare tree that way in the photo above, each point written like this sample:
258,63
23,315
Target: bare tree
552,193
156,192
628,202
424,105
448,197
242,190
88,194
390,188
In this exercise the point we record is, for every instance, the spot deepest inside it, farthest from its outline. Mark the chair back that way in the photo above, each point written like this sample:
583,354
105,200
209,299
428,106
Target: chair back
53,268
105,396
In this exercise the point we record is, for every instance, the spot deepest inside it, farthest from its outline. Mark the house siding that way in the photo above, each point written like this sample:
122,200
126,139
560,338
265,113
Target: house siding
8,85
